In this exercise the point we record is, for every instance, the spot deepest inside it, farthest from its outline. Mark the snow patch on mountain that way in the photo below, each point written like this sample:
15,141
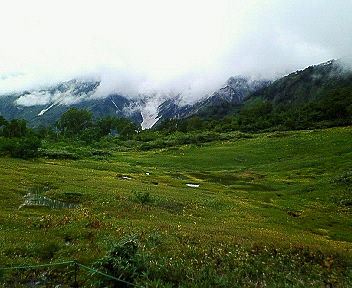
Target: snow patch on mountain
151,106
117,108
46,109
150,116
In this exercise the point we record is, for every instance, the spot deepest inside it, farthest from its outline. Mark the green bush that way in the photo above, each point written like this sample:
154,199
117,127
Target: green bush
344,178
57,154
142,198
24,147
125,261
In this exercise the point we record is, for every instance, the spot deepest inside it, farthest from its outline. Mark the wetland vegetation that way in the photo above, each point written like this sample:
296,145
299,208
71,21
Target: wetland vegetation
271,210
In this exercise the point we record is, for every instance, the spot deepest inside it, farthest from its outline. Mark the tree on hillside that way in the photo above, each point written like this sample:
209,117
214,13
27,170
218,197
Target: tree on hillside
125,127
74,121
122,126
106,125
195,123
17,140
14,128
336,105
2,121
257,117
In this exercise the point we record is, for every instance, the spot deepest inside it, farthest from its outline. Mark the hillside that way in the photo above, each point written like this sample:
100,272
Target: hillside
231,95
307,85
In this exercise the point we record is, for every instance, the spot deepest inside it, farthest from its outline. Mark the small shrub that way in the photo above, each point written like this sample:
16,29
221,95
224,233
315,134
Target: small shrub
72,197
125,261
102,153
344,178
142,198
344,198
47,251
170,205
145,146
58,154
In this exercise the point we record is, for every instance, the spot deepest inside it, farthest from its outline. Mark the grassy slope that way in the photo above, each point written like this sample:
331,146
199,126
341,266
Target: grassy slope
273,190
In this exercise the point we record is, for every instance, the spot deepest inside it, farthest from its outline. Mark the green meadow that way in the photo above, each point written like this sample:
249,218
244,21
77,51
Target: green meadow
269,210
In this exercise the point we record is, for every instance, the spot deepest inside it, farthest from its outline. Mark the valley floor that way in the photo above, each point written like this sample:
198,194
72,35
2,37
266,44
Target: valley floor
272,210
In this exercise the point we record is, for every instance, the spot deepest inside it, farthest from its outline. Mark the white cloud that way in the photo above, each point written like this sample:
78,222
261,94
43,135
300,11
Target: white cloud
35,98
188,46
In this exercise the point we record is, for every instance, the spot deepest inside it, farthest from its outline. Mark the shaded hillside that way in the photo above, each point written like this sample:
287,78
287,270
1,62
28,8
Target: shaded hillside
316,97
217,105
308,85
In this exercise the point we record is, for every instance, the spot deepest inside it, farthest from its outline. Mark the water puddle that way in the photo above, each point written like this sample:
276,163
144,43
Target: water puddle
220,178
192,185
34,198
126,177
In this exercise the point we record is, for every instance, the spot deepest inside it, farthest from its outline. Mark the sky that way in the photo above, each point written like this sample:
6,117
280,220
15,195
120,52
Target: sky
191,47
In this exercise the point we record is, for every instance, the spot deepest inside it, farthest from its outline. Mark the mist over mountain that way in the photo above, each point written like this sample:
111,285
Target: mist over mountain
45,106
232,93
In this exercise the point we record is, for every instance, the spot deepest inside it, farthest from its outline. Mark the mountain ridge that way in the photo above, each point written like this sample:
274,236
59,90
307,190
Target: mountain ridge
45,106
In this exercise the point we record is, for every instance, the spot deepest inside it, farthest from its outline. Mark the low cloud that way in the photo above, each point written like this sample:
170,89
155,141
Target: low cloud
35,98
170,47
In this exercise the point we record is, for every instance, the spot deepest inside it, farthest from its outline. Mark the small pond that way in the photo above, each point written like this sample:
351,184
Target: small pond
35,197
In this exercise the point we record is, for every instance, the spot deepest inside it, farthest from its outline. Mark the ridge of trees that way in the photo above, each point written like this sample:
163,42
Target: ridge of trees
18,140
76,123
78,126
333,109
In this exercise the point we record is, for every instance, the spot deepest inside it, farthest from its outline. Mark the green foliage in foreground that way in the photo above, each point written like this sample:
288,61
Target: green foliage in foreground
271,210
17,140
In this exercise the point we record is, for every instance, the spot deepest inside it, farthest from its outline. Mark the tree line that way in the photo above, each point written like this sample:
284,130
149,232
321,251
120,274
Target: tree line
334,109
19,140
79,126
